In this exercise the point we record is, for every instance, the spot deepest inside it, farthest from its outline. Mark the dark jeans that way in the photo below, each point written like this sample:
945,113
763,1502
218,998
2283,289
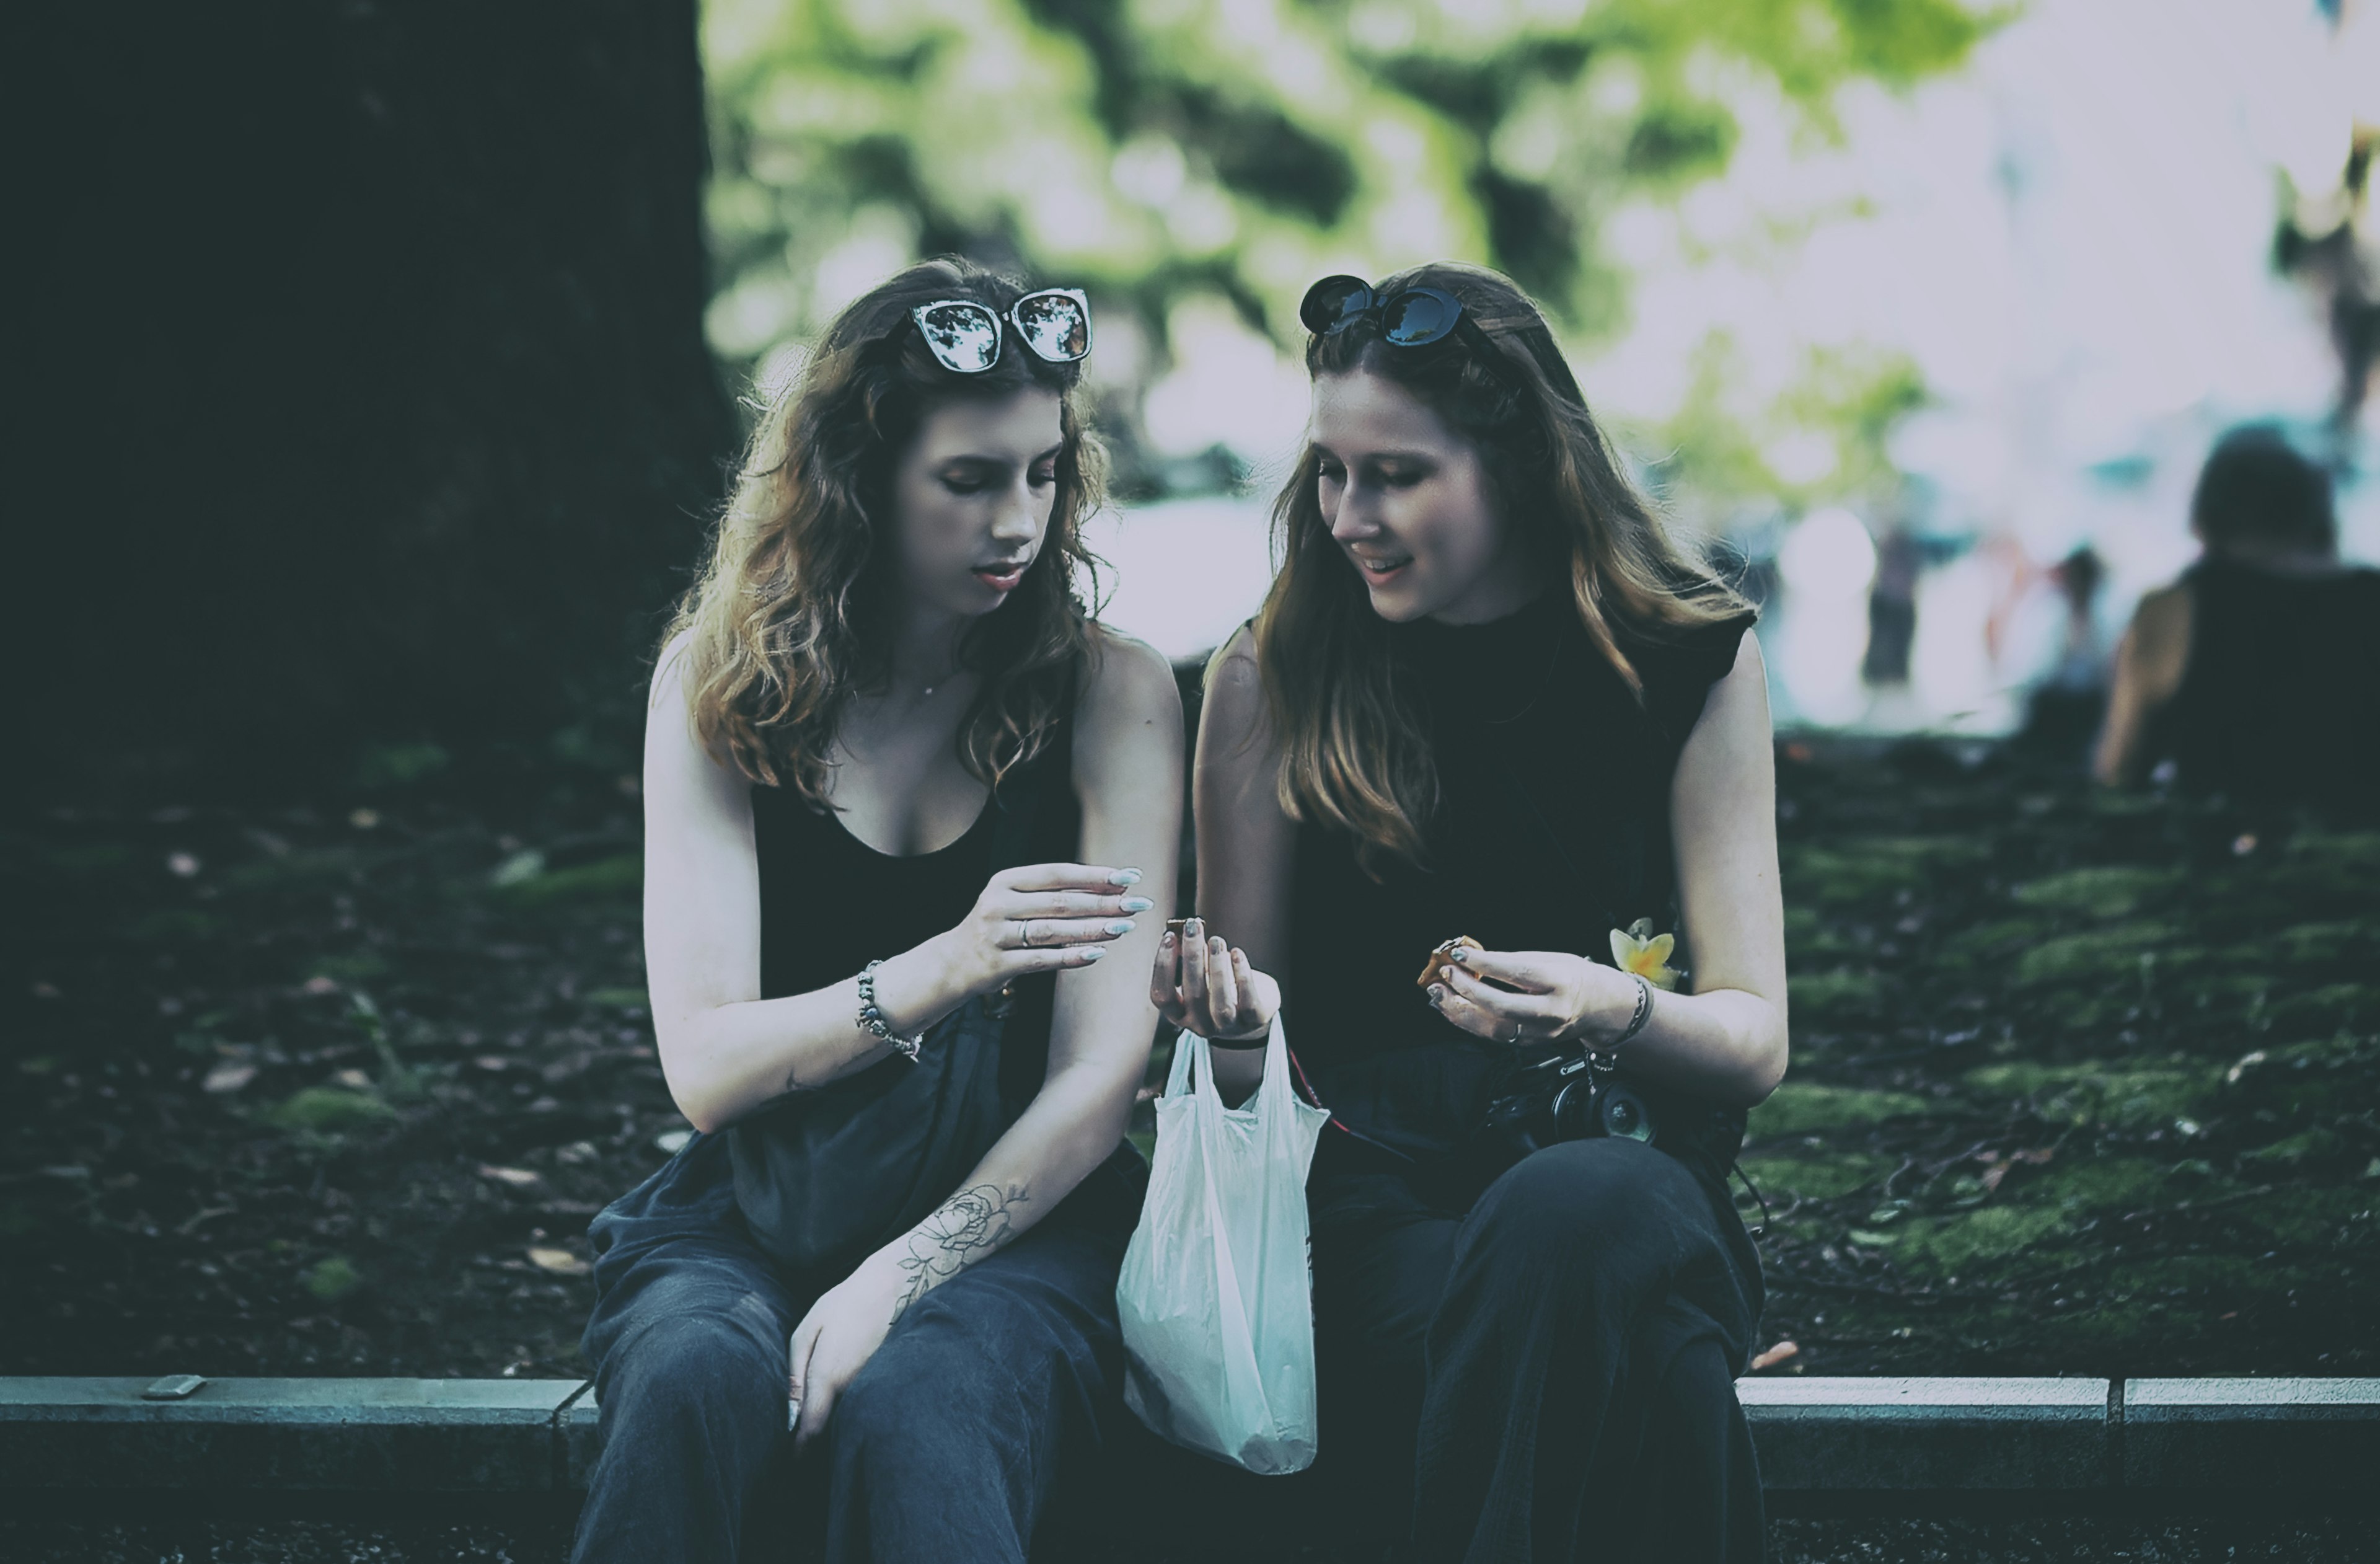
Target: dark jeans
1543,1372
944,1446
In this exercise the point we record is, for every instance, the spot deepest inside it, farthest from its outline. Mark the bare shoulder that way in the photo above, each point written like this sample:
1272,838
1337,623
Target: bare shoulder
2163,614
1234,704
1738,700
1128,683
2155,652
670,670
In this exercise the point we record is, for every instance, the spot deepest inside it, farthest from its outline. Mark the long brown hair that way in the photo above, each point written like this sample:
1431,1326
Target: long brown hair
1354,753
792,617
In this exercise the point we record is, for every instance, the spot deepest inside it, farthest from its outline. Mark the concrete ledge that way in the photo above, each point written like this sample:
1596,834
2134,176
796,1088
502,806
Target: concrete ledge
2204,1436
1943,1443
412,1436
1927,1435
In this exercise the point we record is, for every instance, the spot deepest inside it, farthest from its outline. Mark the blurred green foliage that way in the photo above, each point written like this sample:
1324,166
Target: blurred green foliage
1159,150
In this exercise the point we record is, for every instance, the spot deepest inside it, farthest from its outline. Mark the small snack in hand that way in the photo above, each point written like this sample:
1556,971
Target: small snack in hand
1443,957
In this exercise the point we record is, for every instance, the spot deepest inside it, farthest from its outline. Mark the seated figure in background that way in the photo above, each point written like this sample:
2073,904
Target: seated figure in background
2257,674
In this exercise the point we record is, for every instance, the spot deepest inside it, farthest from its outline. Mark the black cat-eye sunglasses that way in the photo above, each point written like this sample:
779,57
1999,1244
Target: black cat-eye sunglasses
1409,318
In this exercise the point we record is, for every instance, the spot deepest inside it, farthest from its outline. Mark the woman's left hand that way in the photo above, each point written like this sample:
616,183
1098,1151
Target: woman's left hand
836,1339
1546,996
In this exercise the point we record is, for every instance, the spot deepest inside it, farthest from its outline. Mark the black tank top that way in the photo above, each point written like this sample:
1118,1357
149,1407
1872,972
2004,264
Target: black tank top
830,904
2281,699
1552,830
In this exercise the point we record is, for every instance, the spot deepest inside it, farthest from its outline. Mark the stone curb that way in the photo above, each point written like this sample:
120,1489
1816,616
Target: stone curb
1817,1437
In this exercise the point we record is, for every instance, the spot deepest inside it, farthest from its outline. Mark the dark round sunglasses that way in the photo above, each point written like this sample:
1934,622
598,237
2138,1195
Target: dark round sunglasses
964,336
1407,317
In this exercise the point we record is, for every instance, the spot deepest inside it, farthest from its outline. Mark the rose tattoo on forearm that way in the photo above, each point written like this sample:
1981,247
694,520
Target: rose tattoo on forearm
968,1226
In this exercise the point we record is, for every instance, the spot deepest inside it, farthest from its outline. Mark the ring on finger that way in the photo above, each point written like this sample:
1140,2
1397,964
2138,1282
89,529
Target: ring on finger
1025,940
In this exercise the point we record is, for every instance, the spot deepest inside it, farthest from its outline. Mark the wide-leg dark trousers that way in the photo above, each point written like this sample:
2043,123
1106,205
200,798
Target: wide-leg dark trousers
1546,1376
944,1446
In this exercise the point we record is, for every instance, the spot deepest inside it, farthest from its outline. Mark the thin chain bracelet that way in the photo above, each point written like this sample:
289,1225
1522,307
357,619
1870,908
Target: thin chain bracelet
1606,1058
872,1019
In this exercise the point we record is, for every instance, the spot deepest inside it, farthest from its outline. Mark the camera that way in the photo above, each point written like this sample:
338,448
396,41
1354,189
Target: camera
1569,1095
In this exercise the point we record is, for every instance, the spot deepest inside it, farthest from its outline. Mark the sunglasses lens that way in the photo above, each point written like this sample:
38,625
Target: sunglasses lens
964,337
1333,303
1418,317
1055,325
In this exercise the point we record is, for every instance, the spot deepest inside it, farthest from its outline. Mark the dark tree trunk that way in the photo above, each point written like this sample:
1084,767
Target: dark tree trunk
355,383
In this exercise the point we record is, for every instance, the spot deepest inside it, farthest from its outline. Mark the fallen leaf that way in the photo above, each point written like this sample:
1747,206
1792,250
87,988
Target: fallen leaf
1774,1356
561,1262
228,1077
519,1177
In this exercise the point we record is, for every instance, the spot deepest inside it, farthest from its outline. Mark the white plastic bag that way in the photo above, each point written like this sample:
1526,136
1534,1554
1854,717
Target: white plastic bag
1217,1291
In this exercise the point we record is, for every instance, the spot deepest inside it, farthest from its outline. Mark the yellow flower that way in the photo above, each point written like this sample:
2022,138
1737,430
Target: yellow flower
1638,950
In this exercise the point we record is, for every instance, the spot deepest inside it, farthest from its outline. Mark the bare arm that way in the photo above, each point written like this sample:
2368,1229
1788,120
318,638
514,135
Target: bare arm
1245,843
2150,663
1127,772
725,1051
1727,1039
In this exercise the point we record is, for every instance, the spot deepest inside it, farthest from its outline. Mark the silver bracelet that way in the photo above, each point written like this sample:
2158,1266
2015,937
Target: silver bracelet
1605,1058
871,1019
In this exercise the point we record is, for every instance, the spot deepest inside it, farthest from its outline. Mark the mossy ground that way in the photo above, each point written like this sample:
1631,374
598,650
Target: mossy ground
2081,1084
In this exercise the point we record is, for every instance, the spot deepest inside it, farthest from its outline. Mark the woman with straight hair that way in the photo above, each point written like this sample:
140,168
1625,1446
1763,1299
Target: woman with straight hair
1488,700
896,784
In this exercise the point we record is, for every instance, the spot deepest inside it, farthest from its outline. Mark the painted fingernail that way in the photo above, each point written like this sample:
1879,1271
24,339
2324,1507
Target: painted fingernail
1137,903
1095,953
793,1415
1125,877
1436,995
1122,926
1194,928
1165,941
1461,953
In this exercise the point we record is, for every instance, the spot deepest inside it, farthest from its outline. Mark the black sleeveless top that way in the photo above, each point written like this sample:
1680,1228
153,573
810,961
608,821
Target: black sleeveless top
2281,699
1552,830
830,904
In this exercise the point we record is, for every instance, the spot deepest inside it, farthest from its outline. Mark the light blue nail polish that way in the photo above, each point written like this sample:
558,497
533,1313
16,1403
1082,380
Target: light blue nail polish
1095,953
1121,926
1125,877
1436,995
1137,903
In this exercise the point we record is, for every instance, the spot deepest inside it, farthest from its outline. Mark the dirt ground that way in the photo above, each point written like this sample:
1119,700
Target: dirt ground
2082,1083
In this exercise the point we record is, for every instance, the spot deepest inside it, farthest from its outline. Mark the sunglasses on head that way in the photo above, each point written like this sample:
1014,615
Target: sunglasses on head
1407,317
963,336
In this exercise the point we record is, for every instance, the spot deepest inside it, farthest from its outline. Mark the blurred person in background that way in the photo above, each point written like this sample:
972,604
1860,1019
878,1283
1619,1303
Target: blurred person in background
2068,699
2257,674
883,736
1487,696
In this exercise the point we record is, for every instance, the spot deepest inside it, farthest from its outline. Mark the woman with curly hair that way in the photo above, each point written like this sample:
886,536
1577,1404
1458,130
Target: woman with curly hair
1488,697
896,784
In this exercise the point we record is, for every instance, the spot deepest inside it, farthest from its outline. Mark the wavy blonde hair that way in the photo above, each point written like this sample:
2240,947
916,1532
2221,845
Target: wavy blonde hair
1354,751
790,617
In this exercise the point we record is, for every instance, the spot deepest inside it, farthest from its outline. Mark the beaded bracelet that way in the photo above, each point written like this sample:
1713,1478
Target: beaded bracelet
871,1019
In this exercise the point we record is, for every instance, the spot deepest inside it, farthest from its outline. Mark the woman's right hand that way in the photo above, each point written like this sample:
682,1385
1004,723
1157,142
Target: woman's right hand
1209,987
1041,918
